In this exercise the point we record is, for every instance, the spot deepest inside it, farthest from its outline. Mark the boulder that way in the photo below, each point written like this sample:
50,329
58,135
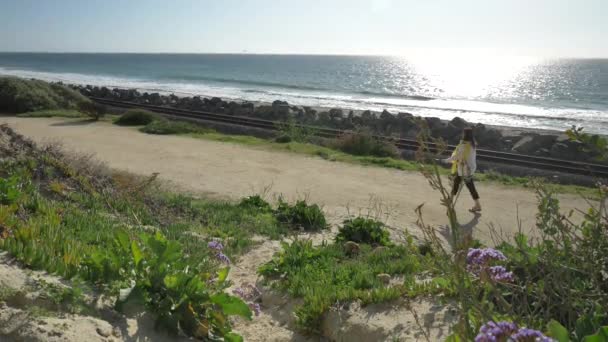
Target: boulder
215,101
336,113
278,103
488,137
529,144
459,122
570,150
433,123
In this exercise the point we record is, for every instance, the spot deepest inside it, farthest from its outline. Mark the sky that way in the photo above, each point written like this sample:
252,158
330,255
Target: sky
547,28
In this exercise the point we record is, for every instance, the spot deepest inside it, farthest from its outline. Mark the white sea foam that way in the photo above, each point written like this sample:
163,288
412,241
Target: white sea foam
514,115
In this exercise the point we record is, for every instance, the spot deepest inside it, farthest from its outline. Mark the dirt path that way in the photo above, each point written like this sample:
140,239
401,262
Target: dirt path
234,170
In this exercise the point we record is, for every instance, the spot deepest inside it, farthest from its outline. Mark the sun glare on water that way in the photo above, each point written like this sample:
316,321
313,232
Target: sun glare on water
469,75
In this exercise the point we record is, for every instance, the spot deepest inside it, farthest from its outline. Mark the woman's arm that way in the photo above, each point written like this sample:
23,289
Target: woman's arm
456,155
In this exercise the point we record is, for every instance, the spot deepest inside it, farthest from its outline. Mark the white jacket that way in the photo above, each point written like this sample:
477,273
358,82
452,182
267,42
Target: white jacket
464,159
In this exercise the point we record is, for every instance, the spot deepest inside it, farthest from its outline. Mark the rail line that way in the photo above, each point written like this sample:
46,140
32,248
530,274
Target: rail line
545,163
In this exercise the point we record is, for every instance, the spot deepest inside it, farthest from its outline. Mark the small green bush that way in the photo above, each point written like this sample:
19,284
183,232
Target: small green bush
364,230
364,144
173,127
283,139
136,117
92,109
20,95
309,217
255,202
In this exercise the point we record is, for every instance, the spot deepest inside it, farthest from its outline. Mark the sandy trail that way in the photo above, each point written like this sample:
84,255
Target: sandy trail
232,170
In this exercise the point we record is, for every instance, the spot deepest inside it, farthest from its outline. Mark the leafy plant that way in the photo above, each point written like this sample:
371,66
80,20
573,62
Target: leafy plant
256,202
136,117
364,230
309,217
177,294
595,145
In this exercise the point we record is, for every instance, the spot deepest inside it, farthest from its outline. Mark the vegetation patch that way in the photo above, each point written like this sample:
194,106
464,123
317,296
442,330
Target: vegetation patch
364,144
136,117
309,217
19,95
517,291
330,274
364,230
123,236
164,127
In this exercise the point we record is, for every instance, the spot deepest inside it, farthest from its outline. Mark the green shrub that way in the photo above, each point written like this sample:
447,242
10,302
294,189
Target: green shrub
20,95
173,127
255,202
136,117
283,139
364,230
594,145
364,144
309,217
92,109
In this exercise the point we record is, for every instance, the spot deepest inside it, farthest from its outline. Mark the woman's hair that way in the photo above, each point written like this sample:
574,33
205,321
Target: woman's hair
467,135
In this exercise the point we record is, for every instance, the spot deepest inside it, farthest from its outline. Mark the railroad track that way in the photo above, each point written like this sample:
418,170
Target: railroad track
550,164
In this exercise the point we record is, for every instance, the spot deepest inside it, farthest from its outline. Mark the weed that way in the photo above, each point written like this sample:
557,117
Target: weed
363,230
301,214
256,202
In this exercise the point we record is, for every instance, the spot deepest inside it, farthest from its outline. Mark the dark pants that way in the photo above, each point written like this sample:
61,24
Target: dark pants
469,183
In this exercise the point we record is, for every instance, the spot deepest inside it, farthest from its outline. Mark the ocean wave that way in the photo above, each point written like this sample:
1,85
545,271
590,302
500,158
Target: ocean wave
516,115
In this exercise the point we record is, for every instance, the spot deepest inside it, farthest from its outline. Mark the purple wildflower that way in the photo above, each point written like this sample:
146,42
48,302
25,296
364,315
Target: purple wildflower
216,245
223,258
494,332
482,256
255,307
500,274
529,335
239,292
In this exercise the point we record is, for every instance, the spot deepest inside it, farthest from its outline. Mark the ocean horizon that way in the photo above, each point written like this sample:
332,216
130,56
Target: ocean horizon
516,92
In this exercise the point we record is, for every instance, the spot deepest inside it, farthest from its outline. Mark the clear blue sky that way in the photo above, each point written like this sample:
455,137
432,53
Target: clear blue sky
556,28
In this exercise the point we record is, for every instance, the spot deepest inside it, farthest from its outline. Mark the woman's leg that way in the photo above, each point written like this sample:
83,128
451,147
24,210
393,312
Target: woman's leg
456,185
471,186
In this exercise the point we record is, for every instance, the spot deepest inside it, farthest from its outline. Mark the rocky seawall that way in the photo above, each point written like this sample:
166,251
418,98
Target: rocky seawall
402,125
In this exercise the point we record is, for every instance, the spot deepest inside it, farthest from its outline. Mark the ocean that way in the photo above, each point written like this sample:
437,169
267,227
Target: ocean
518,92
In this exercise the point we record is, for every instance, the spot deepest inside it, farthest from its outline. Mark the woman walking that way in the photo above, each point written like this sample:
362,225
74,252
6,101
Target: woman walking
464,164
